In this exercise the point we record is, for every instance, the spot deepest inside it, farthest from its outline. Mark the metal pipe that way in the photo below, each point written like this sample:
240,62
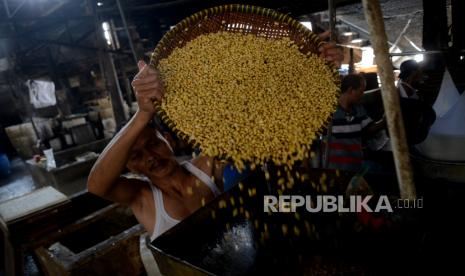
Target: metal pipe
391,101
99,40
332,20
123,18
411,53
17,9
109,73
422,53
5,3
401,34
413,44
332,37
349,46
167,4
358,28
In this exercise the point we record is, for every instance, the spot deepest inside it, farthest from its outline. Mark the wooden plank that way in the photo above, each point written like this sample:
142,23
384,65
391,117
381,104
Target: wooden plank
48,264
16,208
7,250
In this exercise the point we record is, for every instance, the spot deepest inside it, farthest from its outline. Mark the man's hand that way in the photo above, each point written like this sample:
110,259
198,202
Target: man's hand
147,87
330,51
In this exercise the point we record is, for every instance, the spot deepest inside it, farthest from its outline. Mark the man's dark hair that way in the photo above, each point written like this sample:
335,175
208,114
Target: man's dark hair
354,81
407,68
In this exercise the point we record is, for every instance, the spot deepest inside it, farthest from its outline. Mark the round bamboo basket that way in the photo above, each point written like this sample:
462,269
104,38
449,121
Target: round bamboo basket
236,18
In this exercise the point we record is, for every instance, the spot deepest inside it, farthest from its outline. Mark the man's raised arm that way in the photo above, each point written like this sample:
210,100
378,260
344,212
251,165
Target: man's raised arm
104,178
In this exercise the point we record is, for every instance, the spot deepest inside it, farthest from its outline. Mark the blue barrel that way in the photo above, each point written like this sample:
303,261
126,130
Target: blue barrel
4,165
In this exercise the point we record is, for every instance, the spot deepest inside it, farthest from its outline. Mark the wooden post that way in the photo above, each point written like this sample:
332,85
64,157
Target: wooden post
390,97
351,61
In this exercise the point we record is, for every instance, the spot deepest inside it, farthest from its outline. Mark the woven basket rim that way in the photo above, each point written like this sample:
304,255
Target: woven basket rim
241,8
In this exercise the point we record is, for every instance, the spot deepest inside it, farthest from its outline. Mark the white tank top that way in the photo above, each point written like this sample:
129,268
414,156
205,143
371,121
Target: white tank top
403,93
163,221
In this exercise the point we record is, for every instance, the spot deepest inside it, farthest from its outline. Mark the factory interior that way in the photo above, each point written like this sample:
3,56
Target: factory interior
69,71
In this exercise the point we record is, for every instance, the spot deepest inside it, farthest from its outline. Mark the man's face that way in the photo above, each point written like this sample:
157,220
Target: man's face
357,94
415,79
151,156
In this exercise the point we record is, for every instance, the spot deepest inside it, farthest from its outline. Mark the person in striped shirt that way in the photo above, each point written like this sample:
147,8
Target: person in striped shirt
350,122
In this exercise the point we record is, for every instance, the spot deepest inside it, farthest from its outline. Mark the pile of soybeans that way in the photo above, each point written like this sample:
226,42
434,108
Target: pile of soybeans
248,98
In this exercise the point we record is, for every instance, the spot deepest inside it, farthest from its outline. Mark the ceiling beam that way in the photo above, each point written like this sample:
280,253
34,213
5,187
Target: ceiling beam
147,7
84,36
81,47
57,5
35,19
17,8
7,8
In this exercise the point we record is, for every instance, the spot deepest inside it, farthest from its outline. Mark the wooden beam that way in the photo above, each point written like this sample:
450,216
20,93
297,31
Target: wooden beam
391,101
